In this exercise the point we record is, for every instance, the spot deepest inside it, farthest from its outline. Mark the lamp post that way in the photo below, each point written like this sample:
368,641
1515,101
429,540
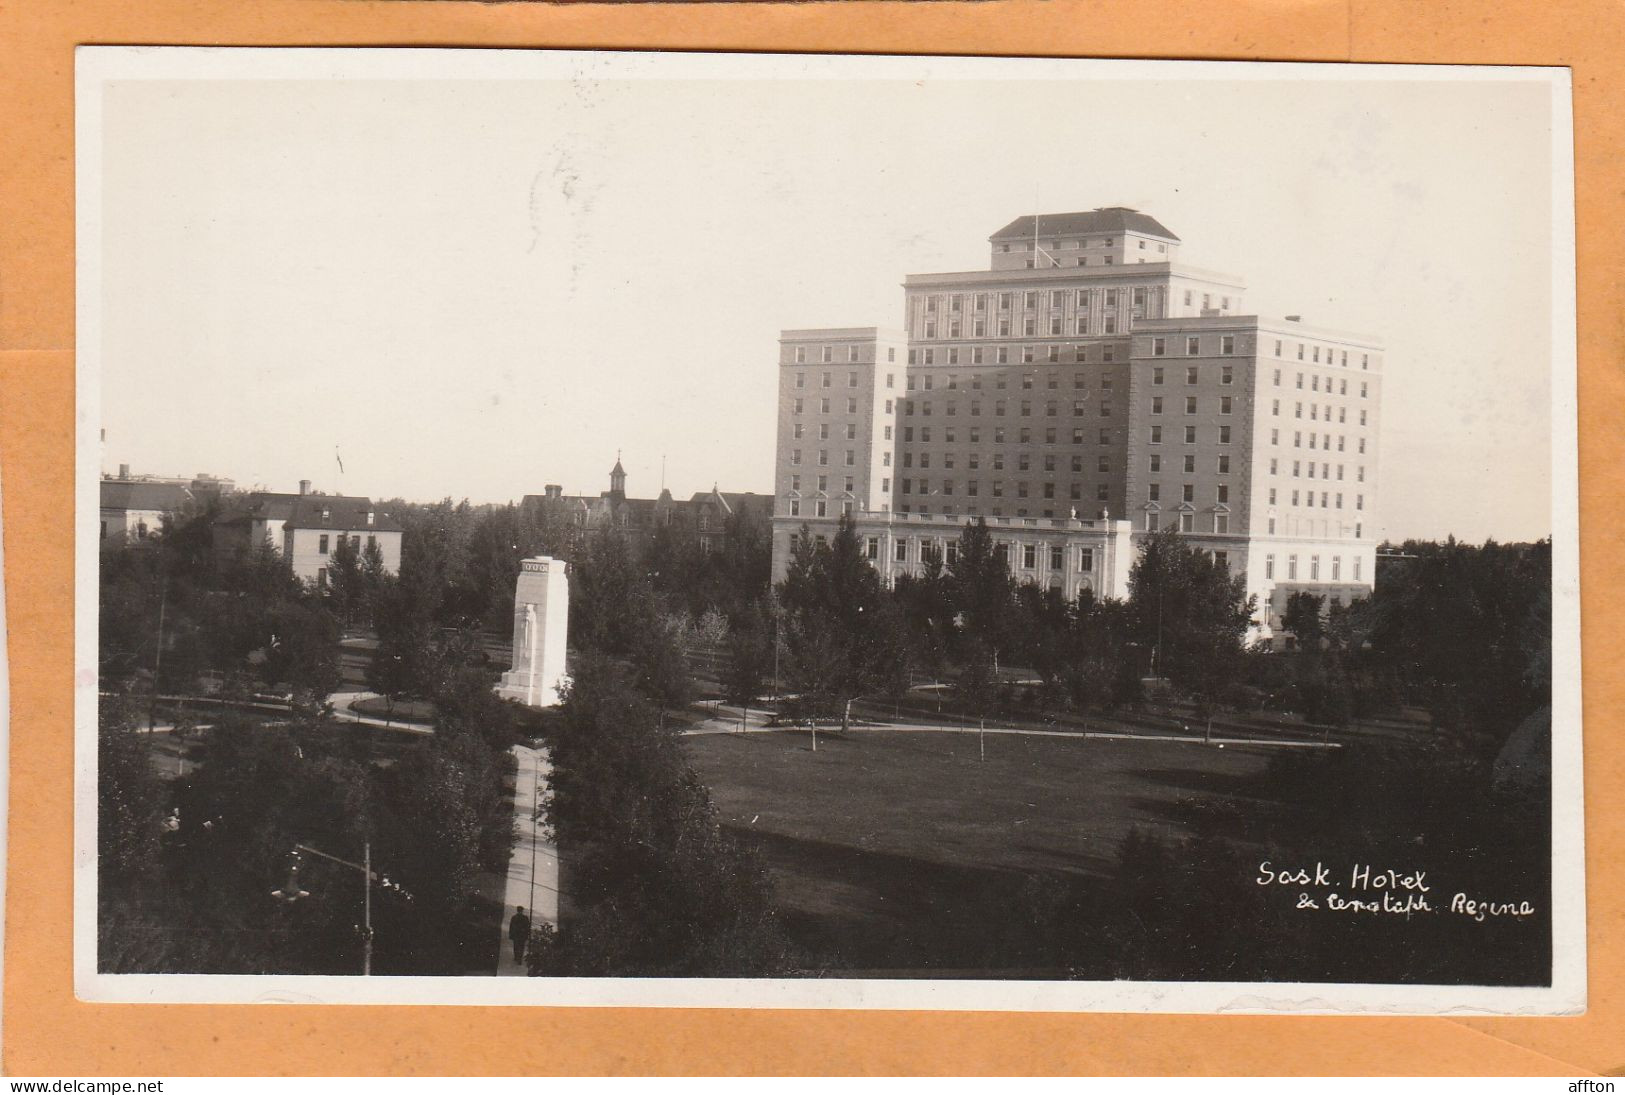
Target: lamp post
291,892
158,658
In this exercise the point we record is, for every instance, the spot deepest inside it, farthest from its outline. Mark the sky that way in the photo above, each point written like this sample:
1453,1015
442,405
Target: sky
475,287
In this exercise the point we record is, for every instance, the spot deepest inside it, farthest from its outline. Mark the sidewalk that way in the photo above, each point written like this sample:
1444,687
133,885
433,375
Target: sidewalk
727,721
343,712
533,870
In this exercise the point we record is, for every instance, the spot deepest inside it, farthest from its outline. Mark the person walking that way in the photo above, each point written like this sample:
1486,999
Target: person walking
519,933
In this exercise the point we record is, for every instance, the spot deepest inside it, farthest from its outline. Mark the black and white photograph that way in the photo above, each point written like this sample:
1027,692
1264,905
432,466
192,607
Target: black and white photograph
572,528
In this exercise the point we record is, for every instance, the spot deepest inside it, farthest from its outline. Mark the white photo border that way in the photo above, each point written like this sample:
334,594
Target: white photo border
96,66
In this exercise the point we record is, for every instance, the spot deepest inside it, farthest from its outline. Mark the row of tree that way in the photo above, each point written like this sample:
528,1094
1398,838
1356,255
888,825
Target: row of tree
1460,630
845,635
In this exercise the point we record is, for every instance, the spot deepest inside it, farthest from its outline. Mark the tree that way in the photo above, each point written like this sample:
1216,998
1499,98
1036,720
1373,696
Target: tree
1464,629
657,657
1303,618
981,591
1190,611
838,643
663,889
749,656
346,584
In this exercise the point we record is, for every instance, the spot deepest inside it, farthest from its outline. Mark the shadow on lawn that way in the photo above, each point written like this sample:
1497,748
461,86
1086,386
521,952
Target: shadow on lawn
849,908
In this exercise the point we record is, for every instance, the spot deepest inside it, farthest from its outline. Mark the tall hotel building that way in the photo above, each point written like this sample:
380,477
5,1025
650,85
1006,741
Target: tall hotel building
1086,389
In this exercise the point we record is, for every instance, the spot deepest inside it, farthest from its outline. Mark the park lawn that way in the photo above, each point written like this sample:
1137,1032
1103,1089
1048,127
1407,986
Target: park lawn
885,839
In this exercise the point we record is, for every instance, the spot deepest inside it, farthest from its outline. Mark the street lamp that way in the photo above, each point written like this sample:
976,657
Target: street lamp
291,892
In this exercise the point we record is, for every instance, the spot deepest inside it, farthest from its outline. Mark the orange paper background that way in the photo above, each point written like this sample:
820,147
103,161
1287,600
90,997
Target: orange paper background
46,1031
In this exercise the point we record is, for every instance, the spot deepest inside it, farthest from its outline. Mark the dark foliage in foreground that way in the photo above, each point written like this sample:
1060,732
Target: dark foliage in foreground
659,888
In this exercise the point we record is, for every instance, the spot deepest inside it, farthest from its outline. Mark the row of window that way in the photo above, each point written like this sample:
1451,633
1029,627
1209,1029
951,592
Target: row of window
1025,406
1071,243
1314,384
355,542
823,431
1314,412
1314,568
1030,327
1193,346
1325,471
1034,300
1221,493
1024,462
1312,523
998,511
1052,409
827,354
1185,521
799,405
1189,436
851,380
823,483
906,549
927,381
1320,440
1326,500
946,488
1193,374
1314,355
1024,435
1226,404
850,457
820,508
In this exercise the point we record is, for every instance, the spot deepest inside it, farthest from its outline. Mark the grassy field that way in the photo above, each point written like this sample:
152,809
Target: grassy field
882,838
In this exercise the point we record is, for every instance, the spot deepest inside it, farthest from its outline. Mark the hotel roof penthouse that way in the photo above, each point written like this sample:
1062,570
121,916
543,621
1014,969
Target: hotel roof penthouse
1085,389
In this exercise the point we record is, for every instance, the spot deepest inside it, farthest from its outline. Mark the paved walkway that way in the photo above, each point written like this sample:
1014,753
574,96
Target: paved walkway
727,721
344,712
533,870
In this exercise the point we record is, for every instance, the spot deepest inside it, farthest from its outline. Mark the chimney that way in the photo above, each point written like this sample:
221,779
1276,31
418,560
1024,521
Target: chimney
304,486
124,471
553,490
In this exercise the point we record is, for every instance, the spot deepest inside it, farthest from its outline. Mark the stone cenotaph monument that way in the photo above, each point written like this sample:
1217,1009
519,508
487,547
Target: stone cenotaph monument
541,617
